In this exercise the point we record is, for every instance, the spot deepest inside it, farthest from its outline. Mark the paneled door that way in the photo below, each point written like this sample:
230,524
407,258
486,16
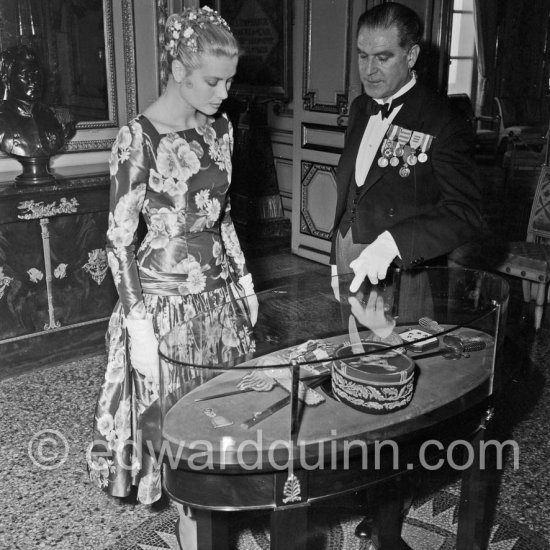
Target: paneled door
325,83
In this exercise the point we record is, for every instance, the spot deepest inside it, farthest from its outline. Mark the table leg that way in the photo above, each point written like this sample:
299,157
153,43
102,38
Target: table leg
387,501
473,530
212,530
289,528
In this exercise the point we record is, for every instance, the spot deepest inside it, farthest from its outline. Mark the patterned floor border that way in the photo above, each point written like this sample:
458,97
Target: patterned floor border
430,525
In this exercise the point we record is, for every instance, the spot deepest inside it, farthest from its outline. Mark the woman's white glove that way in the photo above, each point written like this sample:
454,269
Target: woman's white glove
143,345
334,282
248,286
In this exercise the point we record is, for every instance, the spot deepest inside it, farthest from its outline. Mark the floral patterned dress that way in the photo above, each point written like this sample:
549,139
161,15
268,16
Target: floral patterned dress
189,262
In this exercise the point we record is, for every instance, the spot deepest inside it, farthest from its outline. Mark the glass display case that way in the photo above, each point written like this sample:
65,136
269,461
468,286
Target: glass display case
290,405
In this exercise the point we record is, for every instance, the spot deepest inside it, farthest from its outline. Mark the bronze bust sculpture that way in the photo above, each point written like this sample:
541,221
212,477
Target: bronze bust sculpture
29,129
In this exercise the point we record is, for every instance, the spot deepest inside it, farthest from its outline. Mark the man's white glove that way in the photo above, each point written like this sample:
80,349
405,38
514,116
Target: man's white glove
334,282
248,286
373,314
374,261
143,346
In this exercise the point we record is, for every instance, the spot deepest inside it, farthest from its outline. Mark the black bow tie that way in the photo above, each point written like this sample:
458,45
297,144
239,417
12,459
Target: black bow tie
373,107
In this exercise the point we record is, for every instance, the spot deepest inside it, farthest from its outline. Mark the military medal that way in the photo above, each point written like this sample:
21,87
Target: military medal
424,146
391,142
403,138
404,171
394,161
416,140
386,151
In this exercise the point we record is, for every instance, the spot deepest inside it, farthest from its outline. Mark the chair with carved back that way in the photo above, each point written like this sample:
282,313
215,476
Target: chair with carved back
485,127
530,259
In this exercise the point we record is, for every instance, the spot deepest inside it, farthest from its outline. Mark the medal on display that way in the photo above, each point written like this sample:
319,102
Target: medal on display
404,171
383,162
394,161
215,420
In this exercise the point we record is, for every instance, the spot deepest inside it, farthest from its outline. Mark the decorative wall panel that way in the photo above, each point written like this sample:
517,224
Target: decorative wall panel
323,137
318,191
329,32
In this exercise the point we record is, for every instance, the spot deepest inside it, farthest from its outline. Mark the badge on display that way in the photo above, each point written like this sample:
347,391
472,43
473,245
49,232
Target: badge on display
215,420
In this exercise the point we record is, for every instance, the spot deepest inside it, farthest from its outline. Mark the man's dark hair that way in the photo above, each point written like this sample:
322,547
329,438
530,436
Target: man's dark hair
408,24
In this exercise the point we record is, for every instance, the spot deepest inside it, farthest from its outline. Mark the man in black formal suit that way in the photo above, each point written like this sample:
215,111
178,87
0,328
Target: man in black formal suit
408,191
407,186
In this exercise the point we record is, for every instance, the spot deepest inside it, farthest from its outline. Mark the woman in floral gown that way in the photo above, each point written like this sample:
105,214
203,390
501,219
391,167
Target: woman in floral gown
172,165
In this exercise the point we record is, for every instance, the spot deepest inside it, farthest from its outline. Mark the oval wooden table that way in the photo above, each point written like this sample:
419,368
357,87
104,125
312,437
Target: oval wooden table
301,454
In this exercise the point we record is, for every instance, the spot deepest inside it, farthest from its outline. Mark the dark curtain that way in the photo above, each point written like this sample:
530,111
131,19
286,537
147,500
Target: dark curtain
485,21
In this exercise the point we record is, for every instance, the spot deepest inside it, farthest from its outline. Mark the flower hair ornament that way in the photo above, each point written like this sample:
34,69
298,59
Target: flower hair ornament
183,27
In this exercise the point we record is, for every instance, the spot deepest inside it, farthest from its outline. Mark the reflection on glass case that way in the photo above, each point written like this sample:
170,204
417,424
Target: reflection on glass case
322,365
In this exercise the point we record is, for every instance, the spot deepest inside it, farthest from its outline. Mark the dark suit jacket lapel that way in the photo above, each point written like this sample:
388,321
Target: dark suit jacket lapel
406,117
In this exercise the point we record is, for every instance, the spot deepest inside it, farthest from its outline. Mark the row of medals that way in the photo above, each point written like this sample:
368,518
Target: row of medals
392,151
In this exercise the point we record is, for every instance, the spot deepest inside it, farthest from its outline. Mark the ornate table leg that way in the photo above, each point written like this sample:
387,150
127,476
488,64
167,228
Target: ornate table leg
387,500
289,528
473,509
212,530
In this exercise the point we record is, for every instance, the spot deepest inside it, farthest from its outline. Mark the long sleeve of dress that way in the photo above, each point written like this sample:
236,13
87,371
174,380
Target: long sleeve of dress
129,172
228,233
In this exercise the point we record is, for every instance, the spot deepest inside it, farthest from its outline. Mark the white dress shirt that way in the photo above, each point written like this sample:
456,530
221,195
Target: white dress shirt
372,138
374,133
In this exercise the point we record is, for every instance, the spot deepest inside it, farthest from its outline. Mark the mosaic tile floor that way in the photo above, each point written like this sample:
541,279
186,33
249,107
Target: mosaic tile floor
430,525
45,420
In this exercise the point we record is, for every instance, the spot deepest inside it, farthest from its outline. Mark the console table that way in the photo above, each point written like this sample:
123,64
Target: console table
216,462
56,292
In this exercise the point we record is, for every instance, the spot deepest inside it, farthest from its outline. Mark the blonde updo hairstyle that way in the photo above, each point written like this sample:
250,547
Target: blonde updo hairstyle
200,32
